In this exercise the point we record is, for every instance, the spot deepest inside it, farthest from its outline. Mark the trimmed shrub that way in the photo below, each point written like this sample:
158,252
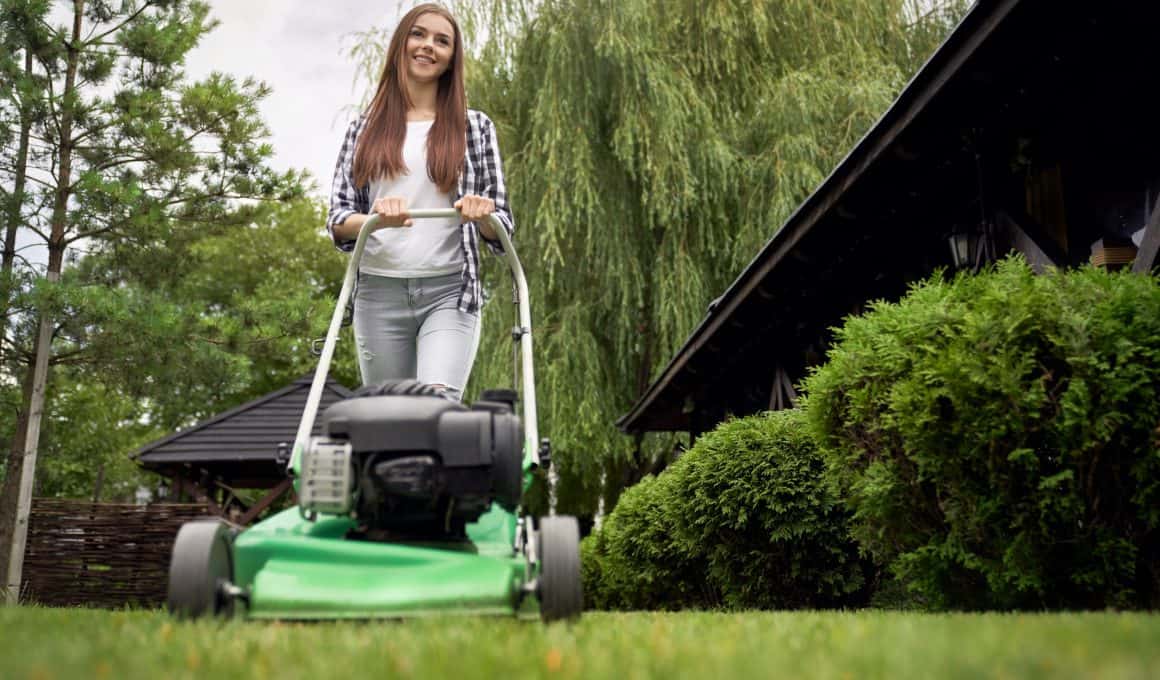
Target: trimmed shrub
742,520
632,561
996,437
755,509
592,572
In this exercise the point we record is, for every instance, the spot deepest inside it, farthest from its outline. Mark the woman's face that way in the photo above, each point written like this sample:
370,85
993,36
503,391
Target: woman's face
430,47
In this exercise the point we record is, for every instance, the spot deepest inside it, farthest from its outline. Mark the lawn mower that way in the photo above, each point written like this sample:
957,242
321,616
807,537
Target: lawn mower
409,504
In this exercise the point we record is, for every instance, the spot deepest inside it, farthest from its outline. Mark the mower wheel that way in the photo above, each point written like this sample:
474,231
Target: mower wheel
201,568
561,594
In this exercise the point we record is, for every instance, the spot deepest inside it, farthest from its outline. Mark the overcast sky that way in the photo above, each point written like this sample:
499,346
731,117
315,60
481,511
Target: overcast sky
296,47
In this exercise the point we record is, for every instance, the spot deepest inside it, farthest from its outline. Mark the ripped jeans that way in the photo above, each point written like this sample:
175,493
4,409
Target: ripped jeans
413,329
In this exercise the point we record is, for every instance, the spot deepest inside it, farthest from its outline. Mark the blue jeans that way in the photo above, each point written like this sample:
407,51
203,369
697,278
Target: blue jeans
413,329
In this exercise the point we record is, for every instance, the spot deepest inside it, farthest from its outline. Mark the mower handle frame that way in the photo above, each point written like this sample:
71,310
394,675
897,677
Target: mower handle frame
528,396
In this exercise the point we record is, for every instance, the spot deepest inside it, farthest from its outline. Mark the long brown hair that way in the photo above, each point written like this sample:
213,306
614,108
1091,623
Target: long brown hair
380,145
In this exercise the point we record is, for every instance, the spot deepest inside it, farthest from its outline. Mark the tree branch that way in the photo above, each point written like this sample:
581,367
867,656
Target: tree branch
132,17
38,232
52,112
36,180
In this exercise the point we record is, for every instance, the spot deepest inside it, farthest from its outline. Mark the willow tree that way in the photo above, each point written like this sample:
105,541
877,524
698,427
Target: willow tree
651,148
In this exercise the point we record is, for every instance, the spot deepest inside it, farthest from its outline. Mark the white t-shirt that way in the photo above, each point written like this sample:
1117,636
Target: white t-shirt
429,247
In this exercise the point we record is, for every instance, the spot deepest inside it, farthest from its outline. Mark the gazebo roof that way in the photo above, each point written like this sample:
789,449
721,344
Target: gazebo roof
240,445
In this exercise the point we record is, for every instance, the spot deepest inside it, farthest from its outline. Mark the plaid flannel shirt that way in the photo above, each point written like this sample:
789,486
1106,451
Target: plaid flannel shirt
482,175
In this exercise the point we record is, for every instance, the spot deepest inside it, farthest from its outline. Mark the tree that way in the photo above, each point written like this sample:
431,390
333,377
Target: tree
255,296
246,301
87,428
126,149
21,102
651,148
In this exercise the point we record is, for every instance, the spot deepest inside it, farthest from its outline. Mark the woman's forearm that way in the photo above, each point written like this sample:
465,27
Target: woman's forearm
348,230
486,230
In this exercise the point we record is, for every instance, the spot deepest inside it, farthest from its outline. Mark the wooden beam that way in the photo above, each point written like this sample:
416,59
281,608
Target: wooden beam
1146,256
230,496
782,395
1031,240
273,495
774,391
198,493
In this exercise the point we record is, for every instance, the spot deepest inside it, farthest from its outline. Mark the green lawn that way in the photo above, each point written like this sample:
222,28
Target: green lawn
62,643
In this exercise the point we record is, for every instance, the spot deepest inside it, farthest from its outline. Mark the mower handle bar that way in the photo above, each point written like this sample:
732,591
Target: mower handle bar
531,434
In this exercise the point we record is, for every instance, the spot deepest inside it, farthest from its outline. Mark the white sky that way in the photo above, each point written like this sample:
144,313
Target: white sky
297,48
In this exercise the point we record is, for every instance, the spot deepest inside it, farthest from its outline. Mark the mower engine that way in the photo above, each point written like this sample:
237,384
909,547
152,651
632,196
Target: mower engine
413,466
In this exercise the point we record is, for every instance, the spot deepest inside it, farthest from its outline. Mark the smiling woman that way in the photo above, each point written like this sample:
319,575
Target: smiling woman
417,305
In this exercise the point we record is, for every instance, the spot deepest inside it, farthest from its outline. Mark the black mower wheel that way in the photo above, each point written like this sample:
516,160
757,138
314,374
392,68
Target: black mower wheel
201,566
561,594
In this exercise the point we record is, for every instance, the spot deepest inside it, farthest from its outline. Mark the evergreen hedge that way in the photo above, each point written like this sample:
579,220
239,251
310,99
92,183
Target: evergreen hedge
635,561
996,437
741,520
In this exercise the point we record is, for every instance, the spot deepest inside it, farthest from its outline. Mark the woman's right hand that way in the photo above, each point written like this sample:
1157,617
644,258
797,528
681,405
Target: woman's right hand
393,212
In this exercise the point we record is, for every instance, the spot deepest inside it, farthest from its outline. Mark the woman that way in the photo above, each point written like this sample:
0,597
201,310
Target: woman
417,304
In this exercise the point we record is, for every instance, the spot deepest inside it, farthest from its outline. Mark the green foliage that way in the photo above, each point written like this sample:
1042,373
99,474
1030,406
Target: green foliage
257,295
753,503
227,314
128,165
640,563
743,520
996,437
125,153
221,316
89,428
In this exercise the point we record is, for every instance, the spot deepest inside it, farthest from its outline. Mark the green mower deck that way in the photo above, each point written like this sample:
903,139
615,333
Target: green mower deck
297,569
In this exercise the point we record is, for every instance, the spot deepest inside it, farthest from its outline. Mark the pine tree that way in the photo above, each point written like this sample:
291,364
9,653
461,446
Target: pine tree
126,148
22,101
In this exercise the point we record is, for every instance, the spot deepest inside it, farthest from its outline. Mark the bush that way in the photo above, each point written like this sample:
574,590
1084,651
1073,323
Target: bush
743,520
996,437
633,561
754,507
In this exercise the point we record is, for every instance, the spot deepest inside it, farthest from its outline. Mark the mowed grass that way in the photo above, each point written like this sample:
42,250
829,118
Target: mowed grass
41,644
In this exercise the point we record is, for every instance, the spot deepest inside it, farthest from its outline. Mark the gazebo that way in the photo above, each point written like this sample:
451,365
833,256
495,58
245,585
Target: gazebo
1025,131
237,449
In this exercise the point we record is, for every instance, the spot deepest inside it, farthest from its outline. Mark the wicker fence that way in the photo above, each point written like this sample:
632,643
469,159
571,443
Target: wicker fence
101,554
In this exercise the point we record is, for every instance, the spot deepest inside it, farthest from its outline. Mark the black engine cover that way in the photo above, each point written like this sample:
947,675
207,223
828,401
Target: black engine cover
427,464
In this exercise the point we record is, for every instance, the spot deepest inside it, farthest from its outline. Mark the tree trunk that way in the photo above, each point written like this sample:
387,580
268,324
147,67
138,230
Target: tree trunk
11,491
12,214
27,454
34,406
14,458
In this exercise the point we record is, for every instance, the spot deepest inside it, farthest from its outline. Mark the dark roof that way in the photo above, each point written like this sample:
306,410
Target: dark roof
239,446
1064,71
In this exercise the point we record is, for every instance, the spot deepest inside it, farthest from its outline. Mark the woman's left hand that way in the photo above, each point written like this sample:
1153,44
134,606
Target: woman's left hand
473,208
